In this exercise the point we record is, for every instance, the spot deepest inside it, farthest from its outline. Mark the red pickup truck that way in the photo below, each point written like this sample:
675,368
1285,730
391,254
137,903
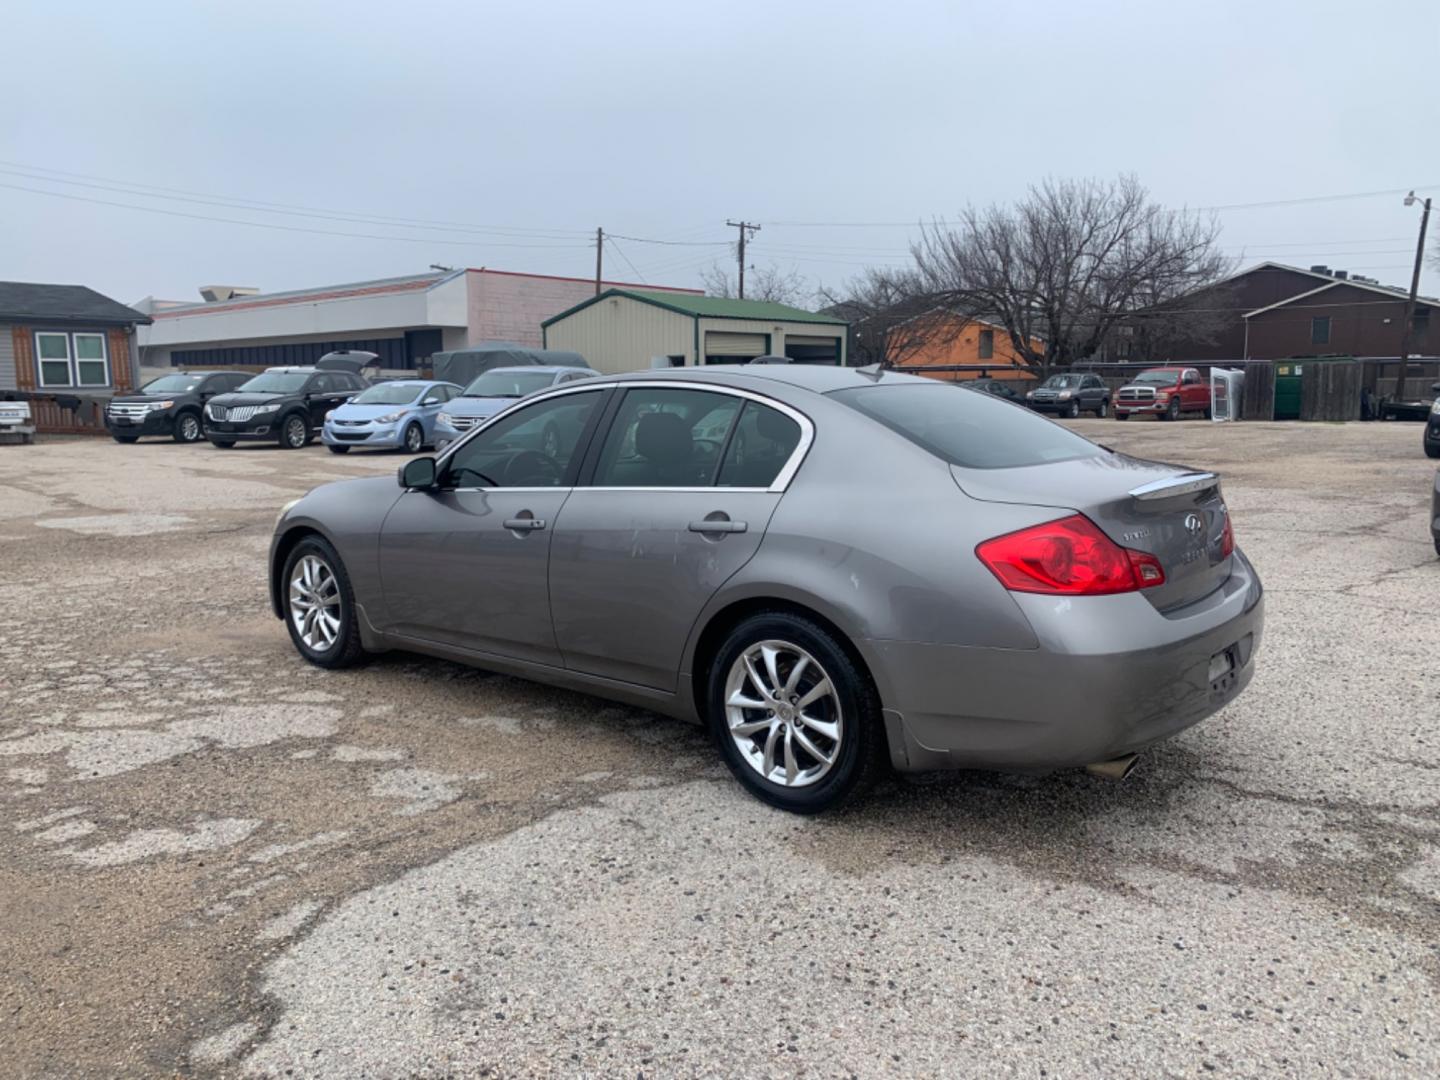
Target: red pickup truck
1165,392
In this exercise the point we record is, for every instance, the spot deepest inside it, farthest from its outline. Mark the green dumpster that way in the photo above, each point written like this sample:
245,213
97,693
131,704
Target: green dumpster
1287,389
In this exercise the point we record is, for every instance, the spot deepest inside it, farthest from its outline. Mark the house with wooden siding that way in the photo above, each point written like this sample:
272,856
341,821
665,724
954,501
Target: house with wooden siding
67,349
946,345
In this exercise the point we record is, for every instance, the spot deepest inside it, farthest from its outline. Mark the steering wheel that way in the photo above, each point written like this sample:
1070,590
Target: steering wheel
531,468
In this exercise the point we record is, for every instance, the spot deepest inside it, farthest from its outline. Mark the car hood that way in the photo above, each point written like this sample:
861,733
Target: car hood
367,412
478,406
232,400
1149,386
135,399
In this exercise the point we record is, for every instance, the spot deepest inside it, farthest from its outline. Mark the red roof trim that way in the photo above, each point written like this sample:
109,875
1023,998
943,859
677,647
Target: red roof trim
587,280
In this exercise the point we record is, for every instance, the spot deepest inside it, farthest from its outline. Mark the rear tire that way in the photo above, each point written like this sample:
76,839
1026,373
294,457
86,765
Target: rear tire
126,439
842,720
187,428
1104,410
1432,451
319,606
339,449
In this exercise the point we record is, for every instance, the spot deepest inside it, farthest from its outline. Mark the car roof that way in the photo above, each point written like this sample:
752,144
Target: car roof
820,378
535,369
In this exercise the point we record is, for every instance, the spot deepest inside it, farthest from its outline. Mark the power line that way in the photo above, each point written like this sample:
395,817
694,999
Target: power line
287,228
672,243
616,248
152,191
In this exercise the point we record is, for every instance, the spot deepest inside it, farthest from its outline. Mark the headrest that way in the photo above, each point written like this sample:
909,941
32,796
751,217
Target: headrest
663,438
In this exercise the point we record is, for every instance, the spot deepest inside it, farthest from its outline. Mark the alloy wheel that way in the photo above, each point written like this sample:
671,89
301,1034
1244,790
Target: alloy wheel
414,440
783,713
189,428
295,433
315,603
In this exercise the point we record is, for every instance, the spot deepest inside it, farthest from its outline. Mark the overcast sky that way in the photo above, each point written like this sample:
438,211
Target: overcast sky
516,128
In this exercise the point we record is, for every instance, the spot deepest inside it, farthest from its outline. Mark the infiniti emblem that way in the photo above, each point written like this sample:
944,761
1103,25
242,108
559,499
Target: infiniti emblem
1194,524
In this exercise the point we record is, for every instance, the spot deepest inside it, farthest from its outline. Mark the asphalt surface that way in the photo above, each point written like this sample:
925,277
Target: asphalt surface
217,860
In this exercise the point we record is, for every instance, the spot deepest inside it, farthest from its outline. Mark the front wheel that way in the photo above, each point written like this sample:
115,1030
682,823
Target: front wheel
187,428
1104,410
414,439
1432,450
223,444
1122,416
794,716
1072,410
1173,412
320,606
126,439
294,432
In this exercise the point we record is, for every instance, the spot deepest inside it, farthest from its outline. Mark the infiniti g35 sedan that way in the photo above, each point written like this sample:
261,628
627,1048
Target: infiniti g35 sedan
830,568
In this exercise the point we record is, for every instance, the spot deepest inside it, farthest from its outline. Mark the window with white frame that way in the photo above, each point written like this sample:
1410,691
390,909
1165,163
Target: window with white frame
76,359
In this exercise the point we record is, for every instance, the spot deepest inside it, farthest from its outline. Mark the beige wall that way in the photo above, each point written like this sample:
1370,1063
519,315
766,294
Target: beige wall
620,334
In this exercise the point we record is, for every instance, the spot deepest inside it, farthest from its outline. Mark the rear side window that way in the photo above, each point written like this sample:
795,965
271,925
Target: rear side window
763,441
971,430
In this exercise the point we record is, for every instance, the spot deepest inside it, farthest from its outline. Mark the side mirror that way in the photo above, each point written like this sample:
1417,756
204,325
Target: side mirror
419,474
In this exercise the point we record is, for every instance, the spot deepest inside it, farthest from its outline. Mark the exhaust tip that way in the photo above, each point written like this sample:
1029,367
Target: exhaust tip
1114,769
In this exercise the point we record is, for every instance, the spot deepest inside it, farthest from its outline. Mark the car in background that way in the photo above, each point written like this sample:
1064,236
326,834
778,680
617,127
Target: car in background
286,405
15,420
1166,392
1001,388
739,547
398,414
1070,395
498,389
171,405
1435,513
1431,438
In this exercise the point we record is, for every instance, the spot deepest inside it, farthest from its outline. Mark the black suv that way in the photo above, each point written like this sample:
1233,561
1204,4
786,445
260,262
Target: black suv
286,404
169,405
1070,395
1431,438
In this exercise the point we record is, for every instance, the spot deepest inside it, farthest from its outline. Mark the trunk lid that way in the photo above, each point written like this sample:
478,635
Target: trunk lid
1176,514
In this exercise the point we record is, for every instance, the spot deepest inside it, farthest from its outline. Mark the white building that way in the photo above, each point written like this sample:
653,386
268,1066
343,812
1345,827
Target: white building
403,319
624,329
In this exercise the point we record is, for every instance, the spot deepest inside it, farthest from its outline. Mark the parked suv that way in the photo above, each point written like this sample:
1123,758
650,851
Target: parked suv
1070,395
170,405
286,404
1431,440
498,389
1165,392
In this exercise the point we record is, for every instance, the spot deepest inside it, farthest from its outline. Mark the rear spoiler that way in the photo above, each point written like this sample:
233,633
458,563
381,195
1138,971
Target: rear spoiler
1184,484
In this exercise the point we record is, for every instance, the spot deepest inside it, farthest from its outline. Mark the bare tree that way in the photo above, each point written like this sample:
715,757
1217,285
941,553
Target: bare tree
761,283
1062,267
890,315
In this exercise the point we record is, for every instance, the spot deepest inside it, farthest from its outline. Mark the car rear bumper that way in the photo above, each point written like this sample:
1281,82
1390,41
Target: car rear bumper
1112,676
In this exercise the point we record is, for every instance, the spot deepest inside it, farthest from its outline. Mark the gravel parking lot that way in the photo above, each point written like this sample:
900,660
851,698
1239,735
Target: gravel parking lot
216,859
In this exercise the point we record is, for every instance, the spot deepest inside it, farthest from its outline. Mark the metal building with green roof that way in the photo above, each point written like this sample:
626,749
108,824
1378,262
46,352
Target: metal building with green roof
632,330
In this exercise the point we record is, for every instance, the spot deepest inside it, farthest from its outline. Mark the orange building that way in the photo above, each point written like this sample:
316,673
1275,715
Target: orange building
944,341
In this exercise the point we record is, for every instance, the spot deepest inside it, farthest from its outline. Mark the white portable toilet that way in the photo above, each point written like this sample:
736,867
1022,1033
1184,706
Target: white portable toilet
1226,389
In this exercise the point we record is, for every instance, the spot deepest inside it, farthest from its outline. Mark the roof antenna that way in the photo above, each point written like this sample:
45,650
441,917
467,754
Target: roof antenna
872,371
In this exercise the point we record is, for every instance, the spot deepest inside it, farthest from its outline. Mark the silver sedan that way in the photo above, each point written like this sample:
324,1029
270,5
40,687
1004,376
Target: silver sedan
832,569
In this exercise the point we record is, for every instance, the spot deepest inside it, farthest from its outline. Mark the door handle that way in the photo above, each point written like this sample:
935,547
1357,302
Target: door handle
525,524
720,525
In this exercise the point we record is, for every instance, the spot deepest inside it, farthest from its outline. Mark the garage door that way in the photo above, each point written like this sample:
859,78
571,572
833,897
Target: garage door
810,349
718,343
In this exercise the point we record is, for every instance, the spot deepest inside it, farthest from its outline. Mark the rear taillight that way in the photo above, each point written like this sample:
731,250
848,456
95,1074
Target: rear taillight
1069,557
1227,539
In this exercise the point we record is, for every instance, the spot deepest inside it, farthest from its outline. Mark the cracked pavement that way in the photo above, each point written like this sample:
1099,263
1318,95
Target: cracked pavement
217,860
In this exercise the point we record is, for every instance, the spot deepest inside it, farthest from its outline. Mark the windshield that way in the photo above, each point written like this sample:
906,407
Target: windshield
1165,378
172,384
1063,382
977,431
388,394
275,382
499,383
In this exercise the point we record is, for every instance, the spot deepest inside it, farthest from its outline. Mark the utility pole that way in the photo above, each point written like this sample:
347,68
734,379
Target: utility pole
746,230
599,254
1405,330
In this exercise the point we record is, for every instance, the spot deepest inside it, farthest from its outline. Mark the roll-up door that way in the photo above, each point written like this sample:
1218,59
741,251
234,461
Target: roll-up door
719,343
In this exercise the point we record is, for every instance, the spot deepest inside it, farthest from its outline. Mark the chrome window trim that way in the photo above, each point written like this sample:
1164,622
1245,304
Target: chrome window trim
778,486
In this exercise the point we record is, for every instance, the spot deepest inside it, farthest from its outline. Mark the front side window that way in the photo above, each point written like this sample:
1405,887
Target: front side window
667,438
1320,330
764,440
66,359
971,430
530,447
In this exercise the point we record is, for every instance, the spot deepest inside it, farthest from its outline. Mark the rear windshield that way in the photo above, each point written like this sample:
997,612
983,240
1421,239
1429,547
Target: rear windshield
976,431
388,394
